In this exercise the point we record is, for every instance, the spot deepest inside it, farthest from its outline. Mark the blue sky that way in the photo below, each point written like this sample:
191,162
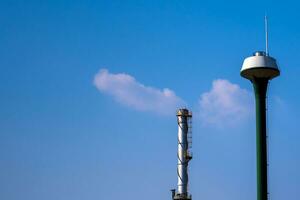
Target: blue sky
81,81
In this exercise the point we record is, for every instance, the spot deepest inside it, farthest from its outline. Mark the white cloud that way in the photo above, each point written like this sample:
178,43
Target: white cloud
225,104
126,90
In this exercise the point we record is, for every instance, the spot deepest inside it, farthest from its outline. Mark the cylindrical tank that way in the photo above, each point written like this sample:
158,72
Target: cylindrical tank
184,156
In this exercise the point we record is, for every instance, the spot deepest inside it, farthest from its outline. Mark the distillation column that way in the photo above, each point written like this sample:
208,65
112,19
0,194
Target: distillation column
183,154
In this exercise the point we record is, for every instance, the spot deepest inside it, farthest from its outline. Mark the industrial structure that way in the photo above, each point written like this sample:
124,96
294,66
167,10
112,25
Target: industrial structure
184,154
259,69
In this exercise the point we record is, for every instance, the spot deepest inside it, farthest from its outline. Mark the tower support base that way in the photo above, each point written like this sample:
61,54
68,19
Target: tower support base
182,197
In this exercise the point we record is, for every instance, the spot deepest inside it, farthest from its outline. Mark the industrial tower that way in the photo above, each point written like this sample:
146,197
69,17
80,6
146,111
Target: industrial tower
184,155
259,69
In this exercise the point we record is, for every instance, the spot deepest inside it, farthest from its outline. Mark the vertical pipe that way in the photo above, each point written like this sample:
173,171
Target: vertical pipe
260,88
182,154
173,191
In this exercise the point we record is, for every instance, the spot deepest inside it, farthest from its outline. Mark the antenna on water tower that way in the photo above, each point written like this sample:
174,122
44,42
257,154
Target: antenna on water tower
267,35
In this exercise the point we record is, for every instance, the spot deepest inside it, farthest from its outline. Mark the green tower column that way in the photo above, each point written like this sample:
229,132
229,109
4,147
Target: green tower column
260,88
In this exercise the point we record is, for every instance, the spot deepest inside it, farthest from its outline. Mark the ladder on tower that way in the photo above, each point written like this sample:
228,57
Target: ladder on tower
189,137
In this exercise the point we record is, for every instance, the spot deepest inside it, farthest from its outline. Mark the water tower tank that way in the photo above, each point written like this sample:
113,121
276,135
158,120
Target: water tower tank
260,65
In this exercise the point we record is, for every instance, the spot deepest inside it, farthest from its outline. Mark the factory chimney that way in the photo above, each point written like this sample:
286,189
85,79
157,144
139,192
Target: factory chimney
184,154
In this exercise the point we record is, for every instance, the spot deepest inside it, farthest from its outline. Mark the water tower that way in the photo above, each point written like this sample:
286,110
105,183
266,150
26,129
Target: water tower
259,69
